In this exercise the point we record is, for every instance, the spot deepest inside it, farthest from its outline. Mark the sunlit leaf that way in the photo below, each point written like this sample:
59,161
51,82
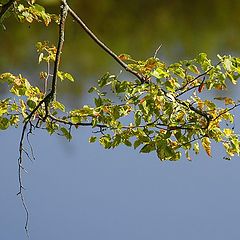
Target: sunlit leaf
66,133
92,139
206,143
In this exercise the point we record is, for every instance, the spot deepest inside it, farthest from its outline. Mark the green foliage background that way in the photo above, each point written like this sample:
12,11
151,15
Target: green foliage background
138,27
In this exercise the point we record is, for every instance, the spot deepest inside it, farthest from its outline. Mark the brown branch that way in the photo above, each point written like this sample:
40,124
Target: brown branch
204,114
59,120
227,110
102,45
193,80
63,16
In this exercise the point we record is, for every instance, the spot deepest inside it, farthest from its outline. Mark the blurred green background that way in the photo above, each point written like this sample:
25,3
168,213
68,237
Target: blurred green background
137,27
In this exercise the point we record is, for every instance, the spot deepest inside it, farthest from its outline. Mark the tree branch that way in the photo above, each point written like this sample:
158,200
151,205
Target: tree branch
20,169
49,97
227,110
63,16
102,45
193,80
59,120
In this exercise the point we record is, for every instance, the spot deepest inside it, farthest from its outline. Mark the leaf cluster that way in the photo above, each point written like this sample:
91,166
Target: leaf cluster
168,114
164,110
29,11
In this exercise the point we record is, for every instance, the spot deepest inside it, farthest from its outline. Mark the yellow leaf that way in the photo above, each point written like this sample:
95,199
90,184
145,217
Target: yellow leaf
40,58
124,57
200,104
206,143
228,101
196,147
228,132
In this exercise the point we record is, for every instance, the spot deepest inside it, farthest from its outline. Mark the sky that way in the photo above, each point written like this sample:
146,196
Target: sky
79,190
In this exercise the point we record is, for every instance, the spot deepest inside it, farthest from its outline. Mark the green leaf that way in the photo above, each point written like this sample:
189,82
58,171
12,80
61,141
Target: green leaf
39,8
60,75
92,139
66,133
227,64
127,143
166,152
231,77
194,69
149,147
31,104
4,106
160,73
69,77
203,60
98,101
7,77
105,141
75,119
51,127
4,123
104,80
137,117
117,139
63,76
57,105
137,143
92,89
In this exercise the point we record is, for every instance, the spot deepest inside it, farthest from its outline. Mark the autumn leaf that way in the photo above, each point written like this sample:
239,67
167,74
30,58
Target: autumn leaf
206,143
228,132
124,57
228,101
201,87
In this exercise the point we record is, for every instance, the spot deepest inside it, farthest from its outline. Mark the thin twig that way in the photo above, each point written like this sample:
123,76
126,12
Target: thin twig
157,50
193,80
226,110
102,45
46,78
20,168
29,143
59,120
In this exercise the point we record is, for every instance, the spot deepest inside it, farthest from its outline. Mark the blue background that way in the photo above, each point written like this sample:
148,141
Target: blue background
78,190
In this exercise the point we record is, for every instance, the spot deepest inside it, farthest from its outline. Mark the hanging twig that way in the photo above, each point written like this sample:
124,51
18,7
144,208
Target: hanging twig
48,98
20,169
